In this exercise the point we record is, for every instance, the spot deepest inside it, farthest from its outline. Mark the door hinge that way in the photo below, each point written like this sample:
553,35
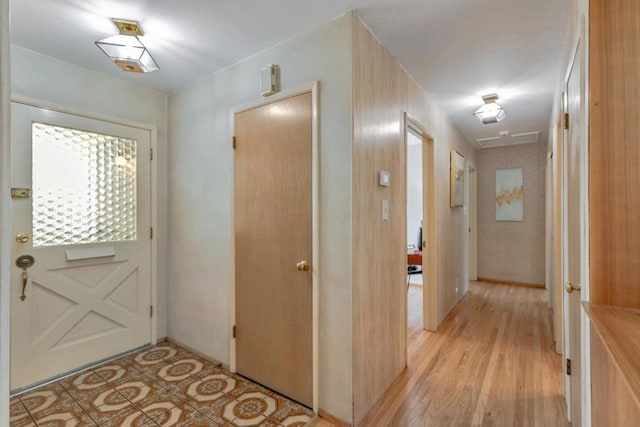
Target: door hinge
150,311
151,232
566,120
234,142
150,153
568,366
233,332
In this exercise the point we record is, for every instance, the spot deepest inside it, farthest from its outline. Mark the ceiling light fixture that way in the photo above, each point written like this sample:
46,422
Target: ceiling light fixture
490,112
126,50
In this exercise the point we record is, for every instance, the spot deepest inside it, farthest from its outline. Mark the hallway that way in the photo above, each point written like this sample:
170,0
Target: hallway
491,363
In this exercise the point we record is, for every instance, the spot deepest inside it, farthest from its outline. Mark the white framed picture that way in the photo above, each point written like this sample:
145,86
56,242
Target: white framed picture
509,195
457,180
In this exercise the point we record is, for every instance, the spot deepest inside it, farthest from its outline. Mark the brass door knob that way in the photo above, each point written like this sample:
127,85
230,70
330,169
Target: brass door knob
22,238
303,265
571,287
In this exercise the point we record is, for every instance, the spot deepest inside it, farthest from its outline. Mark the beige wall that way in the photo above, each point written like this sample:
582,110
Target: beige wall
201,200
512,251
383,92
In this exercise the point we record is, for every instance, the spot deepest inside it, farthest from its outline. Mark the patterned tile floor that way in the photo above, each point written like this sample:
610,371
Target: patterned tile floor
163,385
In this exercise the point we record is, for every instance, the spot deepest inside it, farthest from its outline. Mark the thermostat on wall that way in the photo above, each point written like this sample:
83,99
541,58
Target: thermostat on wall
384,179
269,80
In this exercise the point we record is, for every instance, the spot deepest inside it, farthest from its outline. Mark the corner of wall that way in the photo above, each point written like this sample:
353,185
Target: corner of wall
5,209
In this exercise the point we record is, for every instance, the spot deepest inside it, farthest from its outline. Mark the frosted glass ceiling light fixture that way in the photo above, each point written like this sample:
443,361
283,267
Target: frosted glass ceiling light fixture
490,112
126,50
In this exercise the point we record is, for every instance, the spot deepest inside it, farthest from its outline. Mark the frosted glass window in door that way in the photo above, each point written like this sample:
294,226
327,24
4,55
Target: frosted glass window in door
84,186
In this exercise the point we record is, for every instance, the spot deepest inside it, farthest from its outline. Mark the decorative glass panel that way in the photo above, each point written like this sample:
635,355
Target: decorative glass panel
84,187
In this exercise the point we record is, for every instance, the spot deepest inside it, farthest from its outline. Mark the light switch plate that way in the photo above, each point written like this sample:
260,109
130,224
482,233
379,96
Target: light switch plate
384,179
385,210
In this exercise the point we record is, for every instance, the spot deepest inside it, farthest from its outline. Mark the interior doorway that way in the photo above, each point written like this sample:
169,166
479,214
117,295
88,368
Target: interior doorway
414,229
472,218
420,214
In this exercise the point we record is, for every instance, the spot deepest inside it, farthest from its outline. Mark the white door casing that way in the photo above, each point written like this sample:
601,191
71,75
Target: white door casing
429,234
473,222
77,312
573,239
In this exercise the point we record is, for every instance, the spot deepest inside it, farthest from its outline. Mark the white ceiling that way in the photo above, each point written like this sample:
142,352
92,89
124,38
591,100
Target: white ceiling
457,50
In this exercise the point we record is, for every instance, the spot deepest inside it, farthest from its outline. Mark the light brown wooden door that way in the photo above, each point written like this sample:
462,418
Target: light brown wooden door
273,234
574,235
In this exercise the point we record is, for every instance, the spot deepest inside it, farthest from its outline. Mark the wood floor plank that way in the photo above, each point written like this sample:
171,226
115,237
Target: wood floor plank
491,363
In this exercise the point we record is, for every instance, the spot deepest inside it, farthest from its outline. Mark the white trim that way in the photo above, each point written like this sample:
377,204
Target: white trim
586,283
314,88
429,231
154,241
5,211
472,220
565,237
315,196
581,43
47,105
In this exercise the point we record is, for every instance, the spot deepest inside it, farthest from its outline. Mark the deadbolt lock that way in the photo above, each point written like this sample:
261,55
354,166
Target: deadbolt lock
22,238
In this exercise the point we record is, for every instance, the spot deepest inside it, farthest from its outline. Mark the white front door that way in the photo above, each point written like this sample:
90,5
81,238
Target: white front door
86,223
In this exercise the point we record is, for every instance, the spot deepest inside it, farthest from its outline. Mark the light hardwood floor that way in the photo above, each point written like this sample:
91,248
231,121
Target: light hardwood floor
492,362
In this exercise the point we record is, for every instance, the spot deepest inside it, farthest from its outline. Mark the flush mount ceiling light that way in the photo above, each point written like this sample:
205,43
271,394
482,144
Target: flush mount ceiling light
490,112
126,50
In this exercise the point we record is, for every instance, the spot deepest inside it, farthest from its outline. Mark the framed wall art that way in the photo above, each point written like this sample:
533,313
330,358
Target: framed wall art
509,195
457,179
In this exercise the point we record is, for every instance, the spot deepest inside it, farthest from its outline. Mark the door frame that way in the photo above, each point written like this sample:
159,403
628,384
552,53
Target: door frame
472,219
580,42
5,209
557,231
153,131
429,262
314,88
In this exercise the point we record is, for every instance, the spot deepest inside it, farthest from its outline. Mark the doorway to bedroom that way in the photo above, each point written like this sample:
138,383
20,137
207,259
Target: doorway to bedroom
414,230
420,232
